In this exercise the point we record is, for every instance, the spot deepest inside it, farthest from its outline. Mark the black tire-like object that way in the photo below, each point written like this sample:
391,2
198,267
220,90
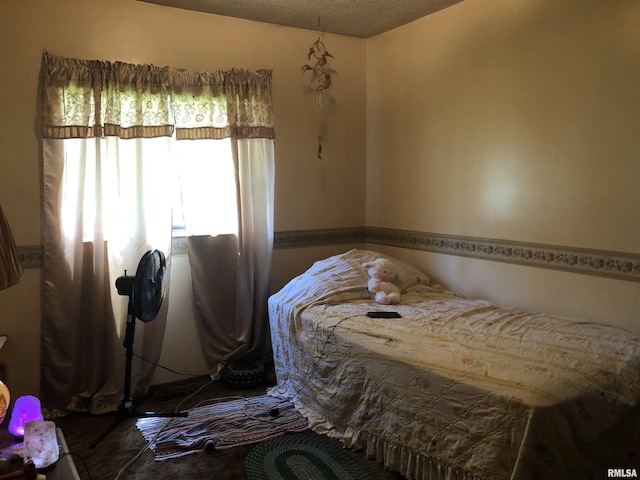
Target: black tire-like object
243,376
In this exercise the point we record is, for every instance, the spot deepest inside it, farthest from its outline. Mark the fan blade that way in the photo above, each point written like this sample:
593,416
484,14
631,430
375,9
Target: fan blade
149,285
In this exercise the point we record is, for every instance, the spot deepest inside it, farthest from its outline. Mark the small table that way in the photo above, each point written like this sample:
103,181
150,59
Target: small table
63,469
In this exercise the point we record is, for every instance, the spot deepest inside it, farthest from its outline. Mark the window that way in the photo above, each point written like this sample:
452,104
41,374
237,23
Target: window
205,197
112,171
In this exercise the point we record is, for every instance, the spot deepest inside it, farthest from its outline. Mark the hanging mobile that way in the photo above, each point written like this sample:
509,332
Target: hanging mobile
321,71
321,67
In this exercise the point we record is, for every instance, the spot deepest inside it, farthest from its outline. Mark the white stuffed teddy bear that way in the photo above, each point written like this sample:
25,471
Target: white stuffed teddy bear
381,277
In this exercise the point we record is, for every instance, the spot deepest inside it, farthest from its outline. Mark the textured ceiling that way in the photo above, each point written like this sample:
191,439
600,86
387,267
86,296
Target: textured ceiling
356,18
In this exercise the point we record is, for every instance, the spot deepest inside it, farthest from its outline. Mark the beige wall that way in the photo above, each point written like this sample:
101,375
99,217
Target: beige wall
492,118
515,120
309,193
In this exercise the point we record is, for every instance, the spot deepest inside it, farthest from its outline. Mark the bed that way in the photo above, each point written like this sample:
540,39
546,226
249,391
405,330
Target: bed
455,388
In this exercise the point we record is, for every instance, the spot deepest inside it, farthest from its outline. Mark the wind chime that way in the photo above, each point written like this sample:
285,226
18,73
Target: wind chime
322,76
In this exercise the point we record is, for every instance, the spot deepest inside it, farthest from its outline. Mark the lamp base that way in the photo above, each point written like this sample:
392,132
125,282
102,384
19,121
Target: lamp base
11,458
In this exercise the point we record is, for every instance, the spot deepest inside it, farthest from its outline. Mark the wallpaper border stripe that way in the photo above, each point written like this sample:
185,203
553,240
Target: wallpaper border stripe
313,238
31,256
602,263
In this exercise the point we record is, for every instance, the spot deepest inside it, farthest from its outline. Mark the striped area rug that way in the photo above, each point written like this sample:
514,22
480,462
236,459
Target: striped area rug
221,425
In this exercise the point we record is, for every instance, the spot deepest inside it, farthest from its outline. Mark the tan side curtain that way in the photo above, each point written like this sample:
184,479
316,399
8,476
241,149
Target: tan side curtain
107,131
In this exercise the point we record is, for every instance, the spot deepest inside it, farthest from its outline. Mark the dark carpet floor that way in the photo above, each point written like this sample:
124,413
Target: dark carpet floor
124,443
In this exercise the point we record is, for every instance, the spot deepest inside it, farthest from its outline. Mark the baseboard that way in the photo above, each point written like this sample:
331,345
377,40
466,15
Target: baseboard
179,388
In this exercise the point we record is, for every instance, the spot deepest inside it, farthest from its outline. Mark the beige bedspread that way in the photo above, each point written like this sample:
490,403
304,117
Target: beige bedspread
456,388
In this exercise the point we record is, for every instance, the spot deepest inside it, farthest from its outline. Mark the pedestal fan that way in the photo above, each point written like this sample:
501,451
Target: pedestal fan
145,291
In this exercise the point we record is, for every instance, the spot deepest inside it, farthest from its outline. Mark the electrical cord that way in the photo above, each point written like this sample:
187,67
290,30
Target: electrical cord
186,374
177,408
318,358
273,412
150,442
248,402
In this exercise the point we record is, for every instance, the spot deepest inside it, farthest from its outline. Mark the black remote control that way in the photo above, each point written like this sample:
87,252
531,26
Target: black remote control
383,315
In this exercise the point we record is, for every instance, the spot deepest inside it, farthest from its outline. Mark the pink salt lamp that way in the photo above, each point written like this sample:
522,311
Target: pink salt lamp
26,409
41,443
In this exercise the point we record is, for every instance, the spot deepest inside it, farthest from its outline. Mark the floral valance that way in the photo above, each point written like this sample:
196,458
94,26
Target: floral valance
92,98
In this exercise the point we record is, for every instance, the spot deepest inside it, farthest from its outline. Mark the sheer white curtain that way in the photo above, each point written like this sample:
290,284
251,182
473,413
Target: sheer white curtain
105,209
256,167
108,141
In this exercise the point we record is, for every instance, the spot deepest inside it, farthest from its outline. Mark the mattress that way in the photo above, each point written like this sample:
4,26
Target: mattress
455,388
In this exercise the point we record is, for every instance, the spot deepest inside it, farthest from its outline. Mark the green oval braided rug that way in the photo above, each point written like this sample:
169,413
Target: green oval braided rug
302,456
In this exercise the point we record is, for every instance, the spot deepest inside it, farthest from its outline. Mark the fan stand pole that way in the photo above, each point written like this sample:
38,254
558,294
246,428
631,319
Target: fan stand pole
127,408
127,402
